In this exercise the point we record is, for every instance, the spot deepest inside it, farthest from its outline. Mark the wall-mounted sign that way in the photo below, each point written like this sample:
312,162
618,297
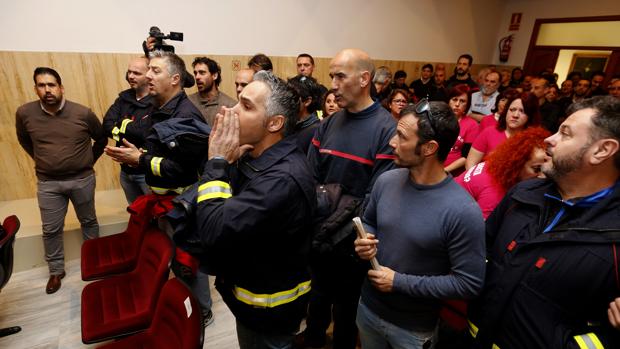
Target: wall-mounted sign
515,21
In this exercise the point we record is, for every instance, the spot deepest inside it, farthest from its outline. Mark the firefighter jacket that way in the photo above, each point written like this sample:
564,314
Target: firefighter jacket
128,118
552,271
175,146
256,216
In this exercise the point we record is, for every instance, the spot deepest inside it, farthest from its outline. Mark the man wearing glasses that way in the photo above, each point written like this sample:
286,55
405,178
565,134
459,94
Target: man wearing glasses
426,233
349,148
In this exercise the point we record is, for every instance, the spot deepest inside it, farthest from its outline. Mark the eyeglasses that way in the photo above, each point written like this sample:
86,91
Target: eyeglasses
399,101
424,107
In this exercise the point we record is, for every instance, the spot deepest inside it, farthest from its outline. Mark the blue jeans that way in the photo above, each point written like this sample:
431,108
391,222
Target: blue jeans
133,186
250,339
377,333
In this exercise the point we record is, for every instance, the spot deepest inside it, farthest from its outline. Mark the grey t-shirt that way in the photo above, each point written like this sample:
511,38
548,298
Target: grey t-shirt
433,237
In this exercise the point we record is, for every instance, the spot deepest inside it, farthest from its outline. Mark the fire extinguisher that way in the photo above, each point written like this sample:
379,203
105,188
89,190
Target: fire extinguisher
505,44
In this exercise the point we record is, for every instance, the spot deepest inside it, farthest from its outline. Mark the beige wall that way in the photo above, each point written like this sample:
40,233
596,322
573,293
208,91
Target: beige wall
411,30
533,9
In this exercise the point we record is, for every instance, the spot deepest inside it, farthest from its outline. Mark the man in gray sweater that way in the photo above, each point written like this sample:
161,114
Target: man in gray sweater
425,231
58,135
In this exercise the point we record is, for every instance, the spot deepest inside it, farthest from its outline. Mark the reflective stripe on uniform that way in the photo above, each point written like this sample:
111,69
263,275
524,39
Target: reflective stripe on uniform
124,125
473,329
588,341
155,169
271,300
214,190
115,132
164,191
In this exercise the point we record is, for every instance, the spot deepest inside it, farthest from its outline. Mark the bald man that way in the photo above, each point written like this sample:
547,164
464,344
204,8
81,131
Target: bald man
242,79
349,148
132,103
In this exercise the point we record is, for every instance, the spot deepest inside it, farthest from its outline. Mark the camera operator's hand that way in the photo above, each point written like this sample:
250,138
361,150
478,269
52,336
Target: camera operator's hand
150,43
224,138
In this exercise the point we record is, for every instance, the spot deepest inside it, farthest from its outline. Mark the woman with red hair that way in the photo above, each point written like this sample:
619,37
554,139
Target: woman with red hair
459,100
521,112
517,159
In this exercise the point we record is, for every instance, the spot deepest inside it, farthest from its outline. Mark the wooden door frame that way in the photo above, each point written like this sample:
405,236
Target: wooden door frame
541,21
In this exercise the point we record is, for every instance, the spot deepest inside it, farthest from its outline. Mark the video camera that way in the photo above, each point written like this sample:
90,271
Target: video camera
159,39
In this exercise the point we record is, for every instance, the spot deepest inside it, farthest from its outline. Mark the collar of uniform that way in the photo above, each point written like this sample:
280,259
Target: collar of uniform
62,105
172,104
368,112
129,95
250,167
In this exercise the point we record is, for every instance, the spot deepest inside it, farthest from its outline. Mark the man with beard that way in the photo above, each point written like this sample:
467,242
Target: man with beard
552,243
580,92
483,101
209,100
461,72
131,104
58,135
441,92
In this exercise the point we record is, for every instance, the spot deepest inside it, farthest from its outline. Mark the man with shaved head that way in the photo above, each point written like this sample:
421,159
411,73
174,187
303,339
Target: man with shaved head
242,79
350,148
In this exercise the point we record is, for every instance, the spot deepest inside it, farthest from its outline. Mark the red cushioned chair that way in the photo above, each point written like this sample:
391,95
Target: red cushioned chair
118,253
7,240
176,324
125,303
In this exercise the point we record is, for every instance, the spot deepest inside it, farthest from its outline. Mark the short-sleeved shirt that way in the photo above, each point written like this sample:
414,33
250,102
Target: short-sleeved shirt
477,181
489,139
467,134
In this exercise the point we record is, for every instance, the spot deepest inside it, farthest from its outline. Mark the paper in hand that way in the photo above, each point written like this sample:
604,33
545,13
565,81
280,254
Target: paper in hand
361,233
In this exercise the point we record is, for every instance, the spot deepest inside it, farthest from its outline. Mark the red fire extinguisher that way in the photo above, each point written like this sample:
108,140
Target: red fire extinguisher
505,44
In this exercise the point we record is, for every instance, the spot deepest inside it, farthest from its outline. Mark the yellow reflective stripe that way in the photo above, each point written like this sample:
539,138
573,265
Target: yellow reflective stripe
155,169
588,341
115,132
319,113
164,191
473,329
271,300
495,346
124,125
214,190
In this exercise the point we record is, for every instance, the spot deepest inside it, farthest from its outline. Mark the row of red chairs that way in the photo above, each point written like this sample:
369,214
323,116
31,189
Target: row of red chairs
132,299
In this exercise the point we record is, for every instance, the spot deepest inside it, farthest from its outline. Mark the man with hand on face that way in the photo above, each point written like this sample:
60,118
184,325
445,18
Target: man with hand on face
209,99
422,260
253,210
132,104
58,135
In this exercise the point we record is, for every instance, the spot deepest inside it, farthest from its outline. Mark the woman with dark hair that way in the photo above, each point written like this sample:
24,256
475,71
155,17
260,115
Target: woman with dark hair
521,112
517,159
491,120
329,104
396,101
516,78
459,100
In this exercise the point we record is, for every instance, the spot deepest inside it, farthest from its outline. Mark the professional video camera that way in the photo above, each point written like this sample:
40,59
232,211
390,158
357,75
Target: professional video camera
159,39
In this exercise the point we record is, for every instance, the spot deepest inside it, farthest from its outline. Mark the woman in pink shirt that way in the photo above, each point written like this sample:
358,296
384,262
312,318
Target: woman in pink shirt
459,100
500,104
521,112
517,159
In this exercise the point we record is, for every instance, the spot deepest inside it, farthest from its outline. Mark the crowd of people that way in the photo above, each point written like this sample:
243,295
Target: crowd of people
493,198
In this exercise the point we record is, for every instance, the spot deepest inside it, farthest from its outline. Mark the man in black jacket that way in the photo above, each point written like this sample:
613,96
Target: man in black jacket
553,244
132,104
254,206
